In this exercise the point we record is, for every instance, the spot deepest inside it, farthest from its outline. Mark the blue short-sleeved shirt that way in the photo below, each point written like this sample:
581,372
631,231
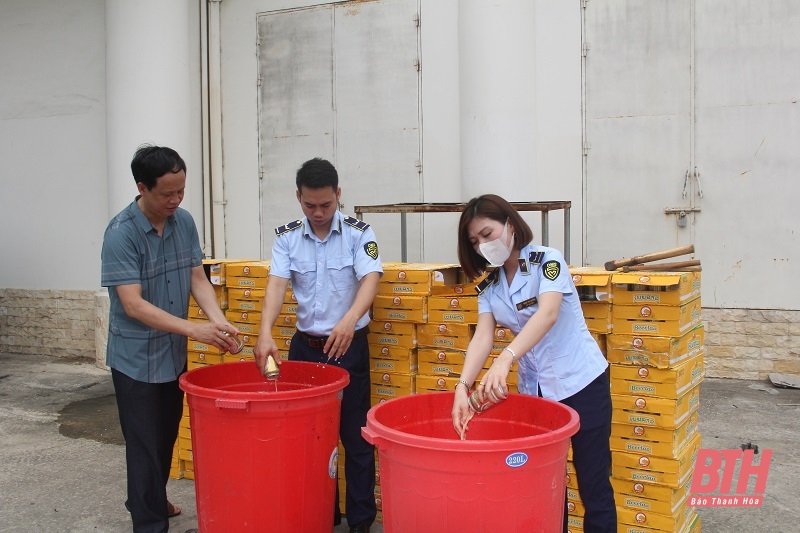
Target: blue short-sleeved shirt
134,253
567,358
325,274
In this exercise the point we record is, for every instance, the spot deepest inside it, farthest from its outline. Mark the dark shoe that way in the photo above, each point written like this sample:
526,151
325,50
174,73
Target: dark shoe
363,528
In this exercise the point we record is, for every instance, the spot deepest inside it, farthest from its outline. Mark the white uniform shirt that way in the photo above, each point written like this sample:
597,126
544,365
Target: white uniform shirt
567,358
325,274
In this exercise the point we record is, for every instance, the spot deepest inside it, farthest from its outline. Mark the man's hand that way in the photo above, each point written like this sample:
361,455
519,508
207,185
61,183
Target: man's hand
340,339
265,346
214,333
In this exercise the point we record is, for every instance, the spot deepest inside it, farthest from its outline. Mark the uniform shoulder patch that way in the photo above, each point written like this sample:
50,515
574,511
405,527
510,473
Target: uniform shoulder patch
372,249
551,270
488,281
535,258
358,224
280,230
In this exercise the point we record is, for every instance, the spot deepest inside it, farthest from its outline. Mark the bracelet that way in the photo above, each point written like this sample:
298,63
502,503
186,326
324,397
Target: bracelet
513,355
462,382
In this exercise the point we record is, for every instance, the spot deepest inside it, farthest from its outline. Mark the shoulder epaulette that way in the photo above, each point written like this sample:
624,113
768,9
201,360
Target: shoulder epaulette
358,224
489,280
280,230
535,258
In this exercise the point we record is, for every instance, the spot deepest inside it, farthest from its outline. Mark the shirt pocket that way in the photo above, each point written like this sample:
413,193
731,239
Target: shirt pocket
566,358
304,274
341,274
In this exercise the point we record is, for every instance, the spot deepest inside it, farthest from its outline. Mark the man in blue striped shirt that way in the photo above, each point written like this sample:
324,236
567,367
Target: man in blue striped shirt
151,263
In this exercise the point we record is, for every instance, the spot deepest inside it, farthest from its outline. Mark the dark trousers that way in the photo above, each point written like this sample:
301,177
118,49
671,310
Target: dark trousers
359,455
592,457
149,414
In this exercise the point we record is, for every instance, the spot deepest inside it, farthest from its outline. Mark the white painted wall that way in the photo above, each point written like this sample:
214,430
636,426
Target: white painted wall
52,143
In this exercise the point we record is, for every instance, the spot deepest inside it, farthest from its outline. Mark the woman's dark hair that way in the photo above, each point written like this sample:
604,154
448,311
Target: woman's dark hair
151,162
492,207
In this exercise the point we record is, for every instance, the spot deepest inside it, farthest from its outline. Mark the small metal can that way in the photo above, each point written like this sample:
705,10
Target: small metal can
476,405
239,342
271,369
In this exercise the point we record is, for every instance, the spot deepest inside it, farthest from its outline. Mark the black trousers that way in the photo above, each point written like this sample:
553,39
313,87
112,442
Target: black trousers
591,456
149,414
359,455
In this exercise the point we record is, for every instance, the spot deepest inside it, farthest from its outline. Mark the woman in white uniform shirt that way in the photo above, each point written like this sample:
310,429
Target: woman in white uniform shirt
532,294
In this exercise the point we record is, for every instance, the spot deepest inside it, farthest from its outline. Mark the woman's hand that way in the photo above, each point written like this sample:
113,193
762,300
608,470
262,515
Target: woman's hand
462,414
493,385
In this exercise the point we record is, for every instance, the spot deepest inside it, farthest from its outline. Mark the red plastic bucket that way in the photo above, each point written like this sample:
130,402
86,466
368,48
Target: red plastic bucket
264,452
508,475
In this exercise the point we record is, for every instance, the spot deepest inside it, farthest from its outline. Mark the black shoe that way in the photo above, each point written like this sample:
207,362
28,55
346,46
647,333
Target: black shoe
363,528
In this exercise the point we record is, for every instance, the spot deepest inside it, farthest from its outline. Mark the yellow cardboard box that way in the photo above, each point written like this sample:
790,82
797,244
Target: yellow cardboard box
416,278
391,340
244,305
246,328
247,317
655,288
660,352
246,293
658,499
204,358
655,412
396,328
197,346
455,316
592,283
400,308
652,441
660,382
245,282
459,303
391,385
446,329
248,269
426,383
408,366
656,320
672,472
633,521
283,332
396,353
216,269
444,342
439,369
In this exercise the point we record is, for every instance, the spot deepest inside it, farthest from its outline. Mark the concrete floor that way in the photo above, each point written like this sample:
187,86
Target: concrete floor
63,461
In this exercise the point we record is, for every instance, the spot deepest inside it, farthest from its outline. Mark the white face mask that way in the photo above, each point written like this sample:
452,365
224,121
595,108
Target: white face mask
496,251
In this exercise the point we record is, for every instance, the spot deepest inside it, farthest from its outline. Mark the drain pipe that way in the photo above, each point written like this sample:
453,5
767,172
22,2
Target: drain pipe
208,247
217,183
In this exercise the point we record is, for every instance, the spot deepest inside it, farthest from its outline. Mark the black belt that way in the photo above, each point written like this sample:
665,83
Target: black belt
319,342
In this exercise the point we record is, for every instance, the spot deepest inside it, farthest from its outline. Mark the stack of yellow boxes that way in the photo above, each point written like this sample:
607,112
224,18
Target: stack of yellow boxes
198,354
240,287
399,310
596,296
656,356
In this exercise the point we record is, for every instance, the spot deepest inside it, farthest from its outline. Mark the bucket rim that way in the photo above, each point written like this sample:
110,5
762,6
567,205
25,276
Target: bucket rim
474,445
193,389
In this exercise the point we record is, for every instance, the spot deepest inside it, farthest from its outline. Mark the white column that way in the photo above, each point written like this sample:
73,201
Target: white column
148,86
497,60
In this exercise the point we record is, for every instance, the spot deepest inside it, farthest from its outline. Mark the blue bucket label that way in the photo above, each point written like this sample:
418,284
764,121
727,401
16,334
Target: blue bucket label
333,463
517,459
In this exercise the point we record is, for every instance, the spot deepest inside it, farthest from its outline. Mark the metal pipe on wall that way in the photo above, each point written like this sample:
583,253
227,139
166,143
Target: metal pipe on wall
208,244
215,130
